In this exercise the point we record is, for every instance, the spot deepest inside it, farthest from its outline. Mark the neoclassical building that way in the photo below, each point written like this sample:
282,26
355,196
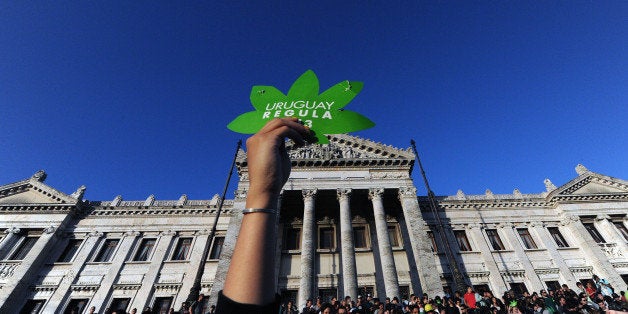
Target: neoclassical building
350,223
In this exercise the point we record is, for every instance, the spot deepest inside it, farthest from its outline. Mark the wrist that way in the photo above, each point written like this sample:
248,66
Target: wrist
256,198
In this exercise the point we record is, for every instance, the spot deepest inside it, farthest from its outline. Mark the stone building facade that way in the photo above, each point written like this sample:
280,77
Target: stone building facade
350,223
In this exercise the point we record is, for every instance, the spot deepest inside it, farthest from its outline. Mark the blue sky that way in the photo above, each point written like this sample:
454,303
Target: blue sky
133,97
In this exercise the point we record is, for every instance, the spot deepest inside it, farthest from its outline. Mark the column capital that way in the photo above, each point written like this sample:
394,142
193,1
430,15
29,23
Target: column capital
534,224
376,193
602,217
13,230
167,233
569,219
95,233
476,226
201,232
343,193
309,193
507,225
132,233
407,192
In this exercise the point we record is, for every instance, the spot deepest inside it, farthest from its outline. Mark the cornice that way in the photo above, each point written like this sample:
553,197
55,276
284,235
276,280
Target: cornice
85,287
38,208
127,286
151,211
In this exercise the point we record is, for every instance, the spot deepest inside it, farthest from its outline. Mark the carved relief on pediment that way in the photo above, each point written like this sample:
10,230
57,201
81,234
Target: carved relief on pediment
329,151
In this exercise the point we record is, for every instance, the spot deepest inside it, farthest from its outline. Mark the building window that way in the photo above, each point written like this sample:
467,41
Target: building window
23,248
526,237
622,229
182,249
144,251
107,250
463,242
553,285
326,238
366,290
558,238
594,233
393,235
76,306
481,288
327,293
162,305
404,291
495,240
217,247
519,288
32,307
292,239
70,250
289,295
430,235
360,239
119,305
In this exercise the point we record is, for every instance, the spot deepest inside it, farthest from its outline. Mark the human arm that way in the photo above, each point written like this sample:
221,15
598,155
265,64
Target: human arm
251,275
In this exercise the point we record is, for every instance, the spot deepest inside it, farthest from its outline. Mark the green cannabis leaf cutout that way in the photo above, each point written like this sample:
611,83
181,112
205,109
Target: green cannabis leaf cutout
323,113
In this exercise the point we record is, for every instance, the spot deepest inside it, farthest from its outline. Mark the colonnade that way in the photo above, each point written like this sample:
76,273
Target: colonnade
349,277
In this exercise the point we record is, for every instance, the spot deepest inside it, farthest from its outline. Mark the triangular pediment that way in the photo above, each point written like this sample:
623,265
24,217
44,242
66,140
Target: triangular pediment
591,183
34,191
343,146
344,151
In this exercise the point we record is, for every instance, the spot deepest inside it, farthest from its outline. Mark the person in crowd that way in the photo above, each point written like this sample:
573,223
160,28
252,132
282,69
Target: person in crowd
603,286
309,307
289,308
450,307
380,308
185,308
469,299
579,288
590,290
539,307
199,306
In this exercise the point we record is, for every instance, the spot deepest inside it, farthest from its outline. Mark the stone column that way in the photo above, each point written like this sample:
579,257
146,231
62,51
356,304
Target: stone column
601,264
106,284
420,243
8,241
546,238
279,233
533,278
88,246
201,243
308,249
14,292
231,237
349,272
495,277
610,232
142,298
389,270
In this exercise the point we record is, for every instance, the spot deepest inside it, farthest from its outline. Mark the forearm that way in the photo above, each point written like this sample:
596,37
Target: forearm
251,275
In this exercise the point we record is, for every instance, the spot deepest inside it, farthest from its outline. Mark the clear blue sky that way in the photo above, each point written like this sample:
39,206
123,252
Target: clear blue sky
133,97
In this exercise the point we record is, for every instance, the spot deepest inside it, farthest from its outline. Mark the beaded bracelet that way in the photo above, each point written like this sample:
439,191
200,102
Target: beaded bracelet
259,210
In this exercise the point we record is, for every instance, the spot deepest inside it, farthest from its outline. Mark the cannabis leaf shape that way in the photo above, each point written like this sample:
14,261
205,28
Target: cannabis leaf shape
324,113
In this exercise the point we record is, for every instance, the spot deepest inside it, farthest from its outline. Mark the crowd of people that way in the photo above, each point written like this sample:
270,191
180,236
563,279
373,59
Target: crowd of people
598,296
